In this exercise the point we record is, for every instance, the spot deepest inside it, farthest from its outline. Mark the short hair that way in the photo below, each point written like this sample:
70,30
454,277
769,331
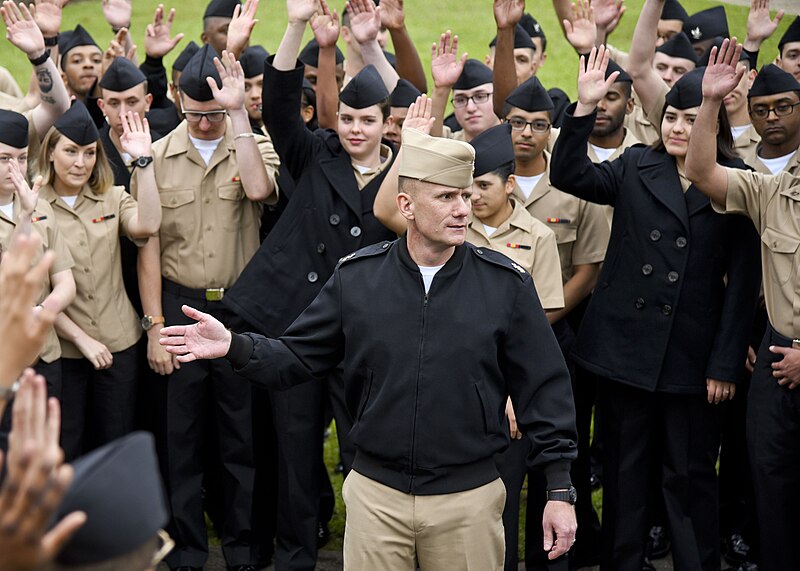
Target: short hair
209,21
504,171
308,97
385,105
407,184
102,177
144,83
507,107
627,88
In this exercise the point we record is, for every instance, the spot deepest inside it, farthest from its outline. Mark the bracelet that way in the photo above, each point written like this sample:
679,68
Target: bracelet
51,41
245,136
35,62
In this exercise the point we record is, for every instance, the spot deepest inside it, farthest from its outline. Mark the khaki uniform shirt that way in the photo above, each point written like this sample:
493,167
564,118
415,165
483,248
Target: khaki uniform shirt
448,133
43,222
745,144
209,228
644,125
773,204
363,179
580,227
532,245
92,230
752,159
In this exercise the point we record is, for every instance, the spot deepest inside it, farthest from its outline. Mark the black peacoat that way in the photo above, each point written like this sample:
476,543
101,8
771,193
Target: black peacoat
677,292
327,217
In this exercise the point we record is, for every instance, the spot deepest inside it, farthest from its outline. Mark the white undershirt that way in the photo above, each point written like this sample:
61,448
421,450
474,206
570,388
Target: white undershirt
8,210
205,148
427,275
489,229
602,153
777,164
739,131
362,169
70,200
528,183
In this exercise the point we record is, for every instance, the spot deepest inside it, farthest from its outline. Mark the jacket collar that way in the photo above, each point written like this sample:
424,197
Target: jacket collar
452,266
659,173
338,169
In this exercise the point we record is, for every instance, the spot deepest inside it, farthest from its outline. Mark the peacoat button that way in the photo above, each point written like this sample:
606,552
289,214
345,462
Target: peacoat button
681,242
647,269
639,303
655,235
666,310
672,277
312,277
320,248
355,231
334,219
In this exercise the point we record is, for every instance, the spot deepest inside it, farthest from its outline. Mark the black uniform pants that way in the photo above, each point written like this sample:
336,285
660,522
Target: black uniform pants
97,406
192,391
773,438
679,435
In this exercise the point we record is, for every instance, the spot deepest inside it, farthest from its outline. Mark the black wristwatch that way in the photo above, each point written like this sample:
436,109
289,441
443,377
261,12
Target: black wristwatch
570,495
142,162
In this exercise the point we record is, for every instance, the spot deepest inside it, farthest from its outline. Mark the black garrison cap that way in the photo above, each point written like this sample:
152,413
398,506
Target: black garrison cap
13,129
623,75
119,488
674,11
185,56
771,80
530,25
365,89
493,149
522,39
77,125
475,73
702,61
252,61
687,92
193,79
678,46
310,54
792,34
221,8
707,24
122,75
72,39
404,94
530,96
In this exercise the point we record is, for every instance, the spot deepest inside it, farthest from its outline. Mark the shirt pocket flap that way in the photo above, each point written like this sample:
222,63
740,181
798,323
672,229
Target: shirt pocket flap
792,193
231,192
779,242
176,198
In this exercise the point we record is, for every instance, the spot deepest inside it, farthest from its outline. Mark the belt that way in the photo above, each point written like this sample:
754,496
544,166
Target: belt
781,340
210,294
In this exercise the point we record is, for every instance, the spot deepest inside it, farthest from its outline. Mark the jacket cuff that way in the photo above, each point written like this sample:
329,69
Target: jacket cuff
557,474
240,351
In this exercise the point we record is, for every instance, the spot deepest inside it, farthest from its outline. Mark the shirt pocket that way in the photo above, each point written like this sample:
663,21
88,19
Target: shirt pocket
783,254
232,215
177,218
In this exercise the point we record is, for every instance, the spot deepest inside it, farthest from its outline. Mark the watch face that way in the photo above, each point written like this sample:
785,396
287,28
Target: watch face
147,323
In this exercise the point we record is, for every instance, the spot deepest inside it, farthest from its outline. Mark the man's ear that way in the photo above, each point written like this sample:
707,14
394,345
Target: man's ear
405,204
630,106
101,104
489,61
148,100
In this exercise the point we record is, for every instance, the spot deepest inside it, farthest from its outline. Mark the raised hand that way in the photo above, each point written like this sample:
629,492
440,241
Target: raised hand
117,49
301,11
393,15
21,29
507,13
135,139
365,20
607,13
118,13
241,26
325,26
206,339
157,40
419,115
581,31
47,14
592,82
231,96
27,195
722,76
759,25
446,67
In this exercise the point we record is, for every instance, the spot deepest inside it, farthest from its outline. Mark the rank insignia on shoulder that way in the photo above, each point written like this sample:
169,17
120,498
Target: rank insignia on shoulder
347,257
517,267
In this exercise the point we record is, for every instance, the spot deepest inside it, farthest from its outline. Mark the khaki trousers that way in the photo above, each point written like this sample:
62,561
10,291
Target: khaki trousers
389,530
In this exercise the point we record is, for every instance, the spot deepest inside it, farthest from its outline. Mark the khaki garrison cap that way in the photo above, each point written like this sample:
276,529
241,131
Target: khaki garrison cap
437,160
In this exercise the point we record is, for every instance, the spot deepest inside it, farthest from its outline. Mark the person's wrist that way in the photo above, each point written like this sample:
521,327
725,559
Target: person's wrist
51,41
238,113
297,22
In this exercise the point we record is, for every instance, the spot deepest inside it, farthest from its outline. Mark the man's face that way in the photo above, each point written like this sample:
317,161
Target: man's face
436,212
776,130
115,104
667,29
394,127
215,32
360,130
671,69
531,140
701,47
474,117
611,110
252,96
539,56
310,73
7,155
736,100
789,60
202,125
525,64
490,194
81,69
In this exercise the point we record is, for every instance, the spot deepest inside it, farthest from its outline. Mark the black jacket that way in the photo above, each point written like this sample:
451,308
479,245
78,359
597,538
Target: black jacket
326,218
661,316
427,375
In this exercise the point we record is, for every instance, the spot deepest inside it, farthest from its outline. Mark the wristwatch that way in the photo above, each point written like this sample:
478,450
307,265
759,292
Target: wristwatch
149,320
142,162
570,495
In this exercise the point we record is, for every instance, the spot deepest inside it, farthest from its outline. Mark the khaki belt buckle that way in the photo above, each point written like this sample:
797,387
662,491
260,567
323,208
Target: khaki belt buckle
215,294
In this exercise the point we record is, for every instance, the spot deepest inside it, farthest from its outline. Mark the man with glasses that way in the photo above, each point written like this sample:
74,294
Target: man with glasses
209,231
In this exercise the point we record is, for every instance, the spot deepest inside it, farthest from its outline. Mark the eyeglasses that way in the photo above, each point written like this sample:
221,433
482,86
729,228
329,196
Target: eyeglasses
781,110
519,124
197,116
477,99
166,544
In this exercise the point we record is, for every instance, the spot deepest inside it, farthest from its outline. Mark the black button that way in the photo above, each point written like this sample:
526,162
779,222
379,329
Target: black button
320,248
672,277
312,277
666,310
681,242
647,269
639,303
334,219
355,231
655,235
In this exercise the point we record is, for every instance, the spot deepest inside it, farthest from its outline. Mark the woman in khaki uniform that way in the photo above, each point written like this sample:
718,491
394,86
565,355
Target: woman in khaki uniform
100,329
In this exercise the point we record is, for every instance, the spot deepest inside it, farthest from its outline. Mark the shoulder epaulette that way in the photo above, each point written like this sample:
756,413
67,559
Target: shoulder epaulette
498,259
368,252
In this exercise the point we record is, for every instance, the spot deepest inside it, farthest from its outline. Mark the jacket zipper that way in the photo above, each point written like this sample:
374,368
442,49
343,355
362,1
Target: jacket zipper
416,393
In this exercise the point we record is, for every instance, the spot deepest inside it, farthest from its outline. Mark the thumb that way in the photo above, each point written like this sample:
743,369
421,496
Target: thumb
193,313
776,349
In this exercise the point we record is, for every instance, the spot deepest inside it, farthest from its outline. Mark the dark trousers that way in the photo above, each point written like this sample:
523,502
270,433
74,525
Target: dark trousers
192,391
97,406
645,433
773,438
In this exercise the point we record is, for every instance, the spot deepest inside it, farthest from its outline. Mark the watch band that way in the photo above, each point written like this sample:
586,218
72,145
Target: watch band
51,42
569,496
41,59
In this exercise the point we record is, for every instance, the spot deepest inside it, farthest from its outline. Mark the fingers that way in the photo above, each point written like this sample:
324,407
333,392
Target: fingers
175,362
173,330
193,313
55,540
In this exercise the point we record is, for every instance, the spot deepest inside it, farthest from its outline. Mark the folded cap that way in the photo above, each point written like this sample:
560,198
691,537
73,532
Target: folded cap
678,46
221,8
792,34
193,79
771,80
674,11
530,25
183,58
522,39
365,89
252,60
475,73
623,76
530,96
687,92
13,129
119,488
72,39
77,125
707,24
436,160
404,94
121,75
493,149
310,54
